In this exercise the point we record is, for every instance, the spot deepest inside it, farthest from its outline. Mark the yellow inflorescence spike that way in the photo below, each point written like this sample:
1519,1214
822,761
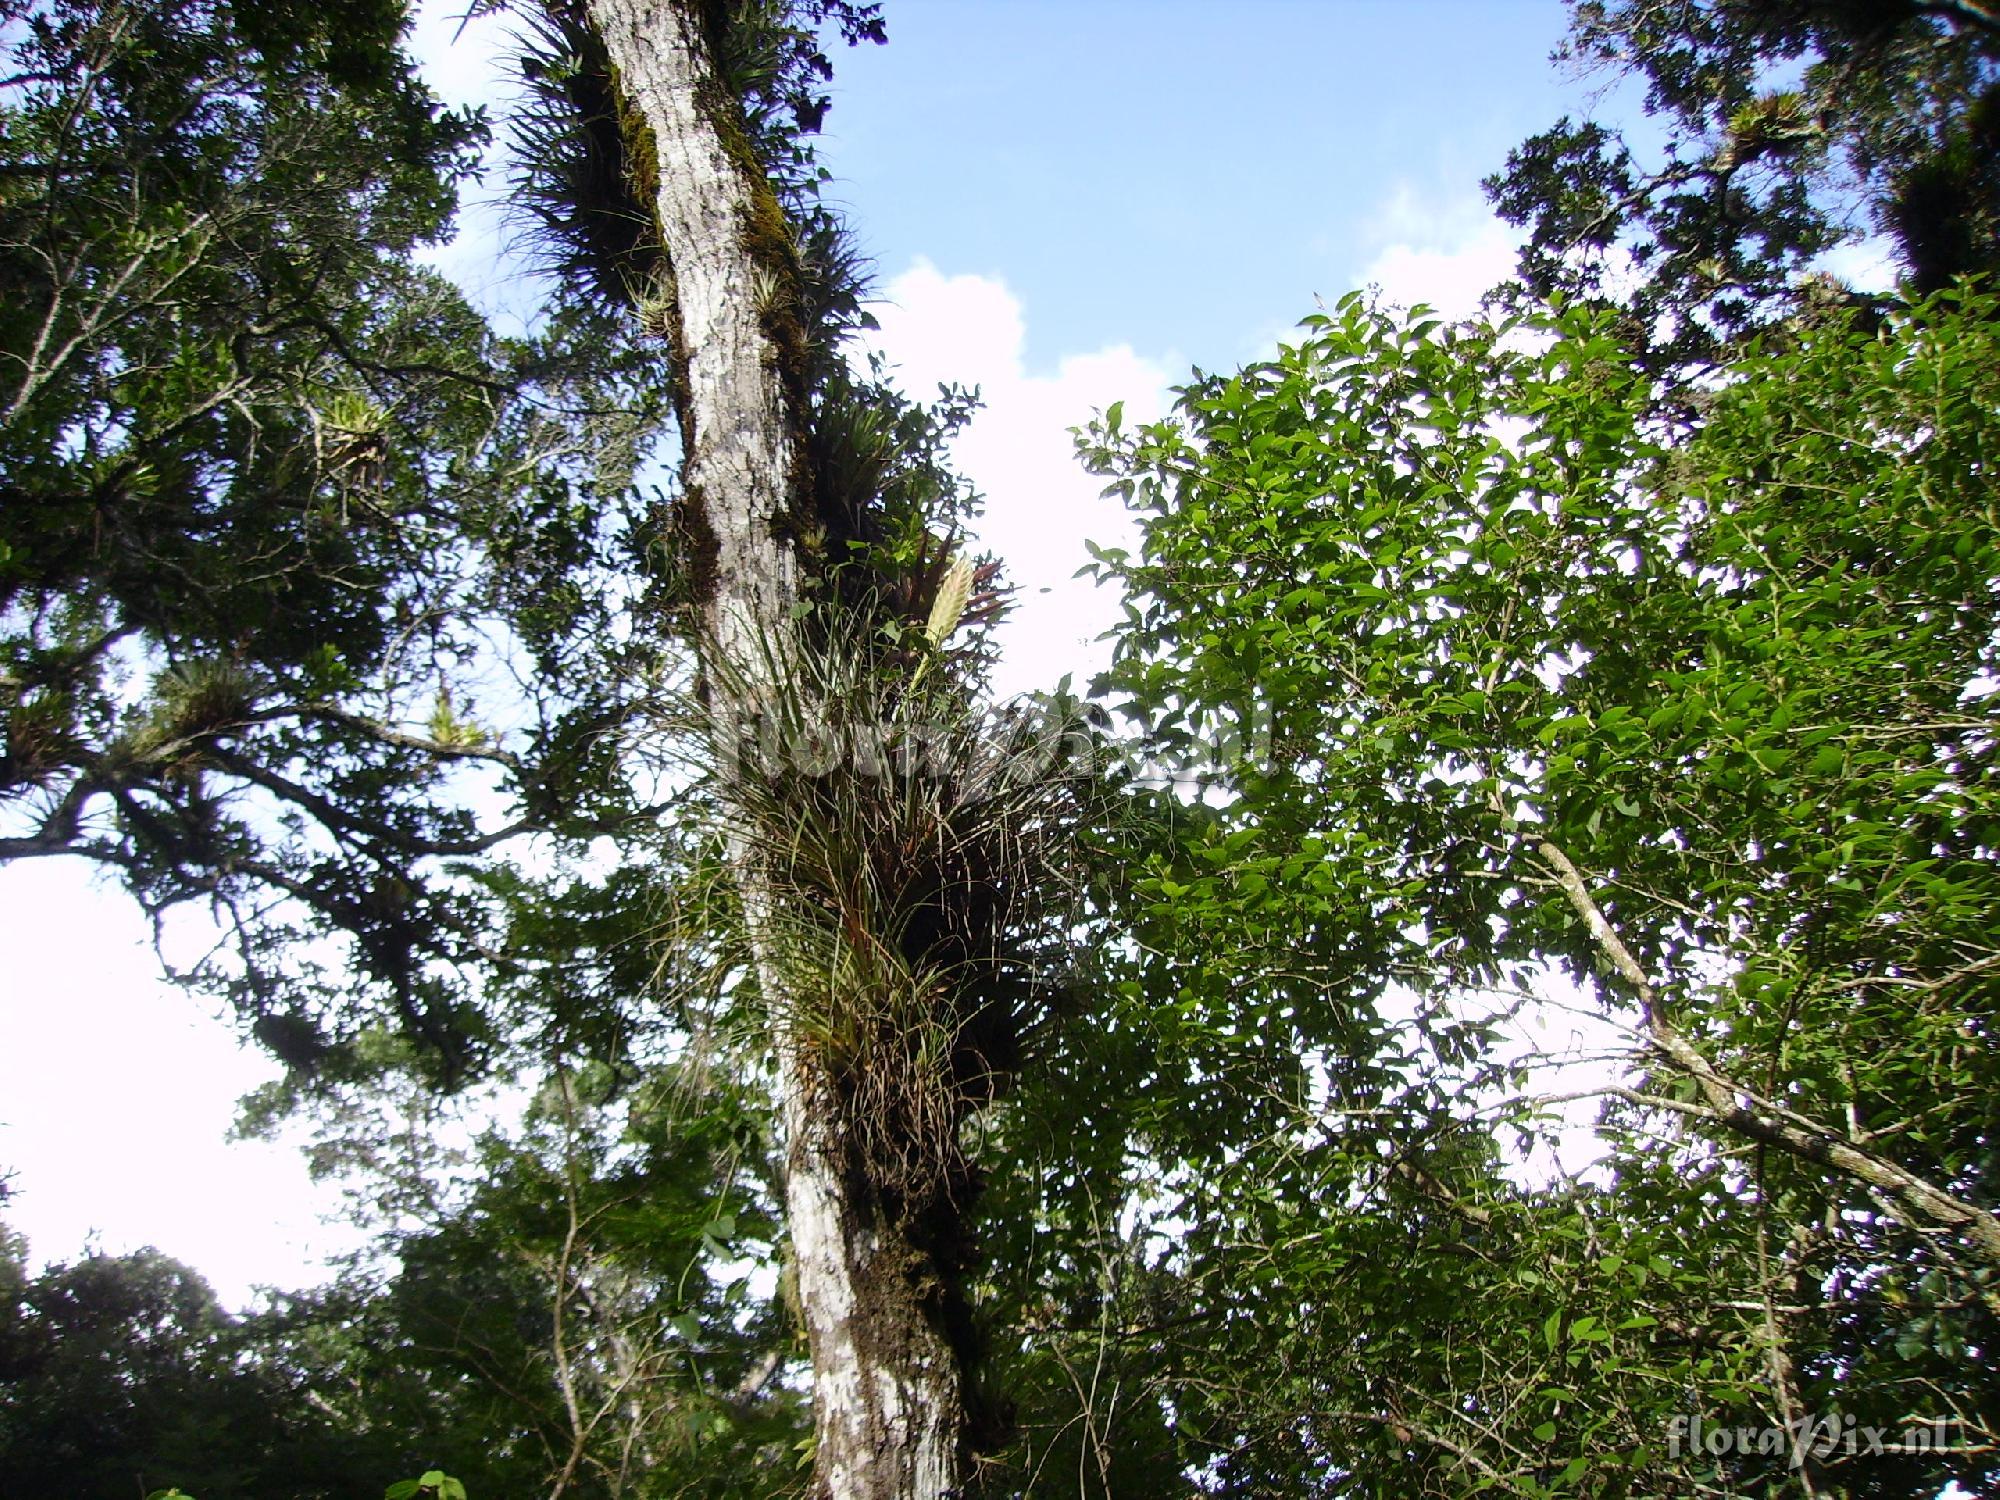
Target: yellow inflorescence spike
952,596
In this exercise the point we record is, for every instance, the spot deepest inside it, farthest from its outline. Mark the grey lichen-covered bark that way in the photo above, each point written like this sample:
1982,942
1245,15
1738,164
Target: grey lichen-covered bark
739,455
889,1408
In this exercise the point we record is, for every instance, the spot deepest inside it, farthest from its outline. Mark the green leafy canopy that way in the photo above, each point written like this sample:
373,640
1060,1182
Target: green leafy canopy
1701,715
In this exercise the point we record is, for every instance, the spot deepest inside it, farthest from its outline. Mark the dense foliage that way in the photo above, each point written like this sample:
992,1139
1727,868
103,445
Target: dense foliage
121,1374
1623,668
1701,719
279,508
1776,130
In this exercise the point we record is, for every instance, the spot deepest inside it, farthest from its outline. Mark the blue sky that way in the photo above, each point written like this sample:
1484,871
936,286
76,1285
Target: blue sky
1068,204
1179,175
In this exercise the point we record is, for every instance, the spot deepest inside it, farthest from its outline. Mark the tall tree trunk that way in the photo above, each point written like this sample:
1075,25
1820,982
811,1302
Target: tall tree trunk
888,1398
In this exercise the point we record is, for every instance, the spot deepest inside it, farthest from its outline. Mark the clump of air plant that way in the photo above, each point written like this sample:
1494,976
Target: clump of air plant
354,441
40,737
914,859
657,303
193,701
585,173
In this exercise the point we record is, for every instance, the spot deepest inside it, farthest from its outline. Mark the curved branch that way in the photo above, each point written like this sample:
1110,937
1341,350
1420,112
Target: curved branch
1740,1109
339,819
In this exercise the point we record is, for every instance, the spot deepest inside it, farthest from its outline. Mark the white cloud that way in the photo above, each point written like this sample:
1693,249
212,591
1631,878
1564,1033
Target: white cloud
460,55
1446,253
1867,265
466,60
116,1092
1041,506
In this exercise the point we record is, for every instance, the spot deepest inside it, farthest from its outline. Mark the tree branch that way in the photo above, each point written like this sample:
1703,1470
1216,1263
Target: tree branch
1740,1109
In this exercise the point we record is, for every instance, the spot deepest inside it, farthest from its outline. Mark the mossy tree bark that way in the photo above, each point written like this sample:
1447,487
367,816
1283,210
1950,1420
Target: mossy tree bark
888,1396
